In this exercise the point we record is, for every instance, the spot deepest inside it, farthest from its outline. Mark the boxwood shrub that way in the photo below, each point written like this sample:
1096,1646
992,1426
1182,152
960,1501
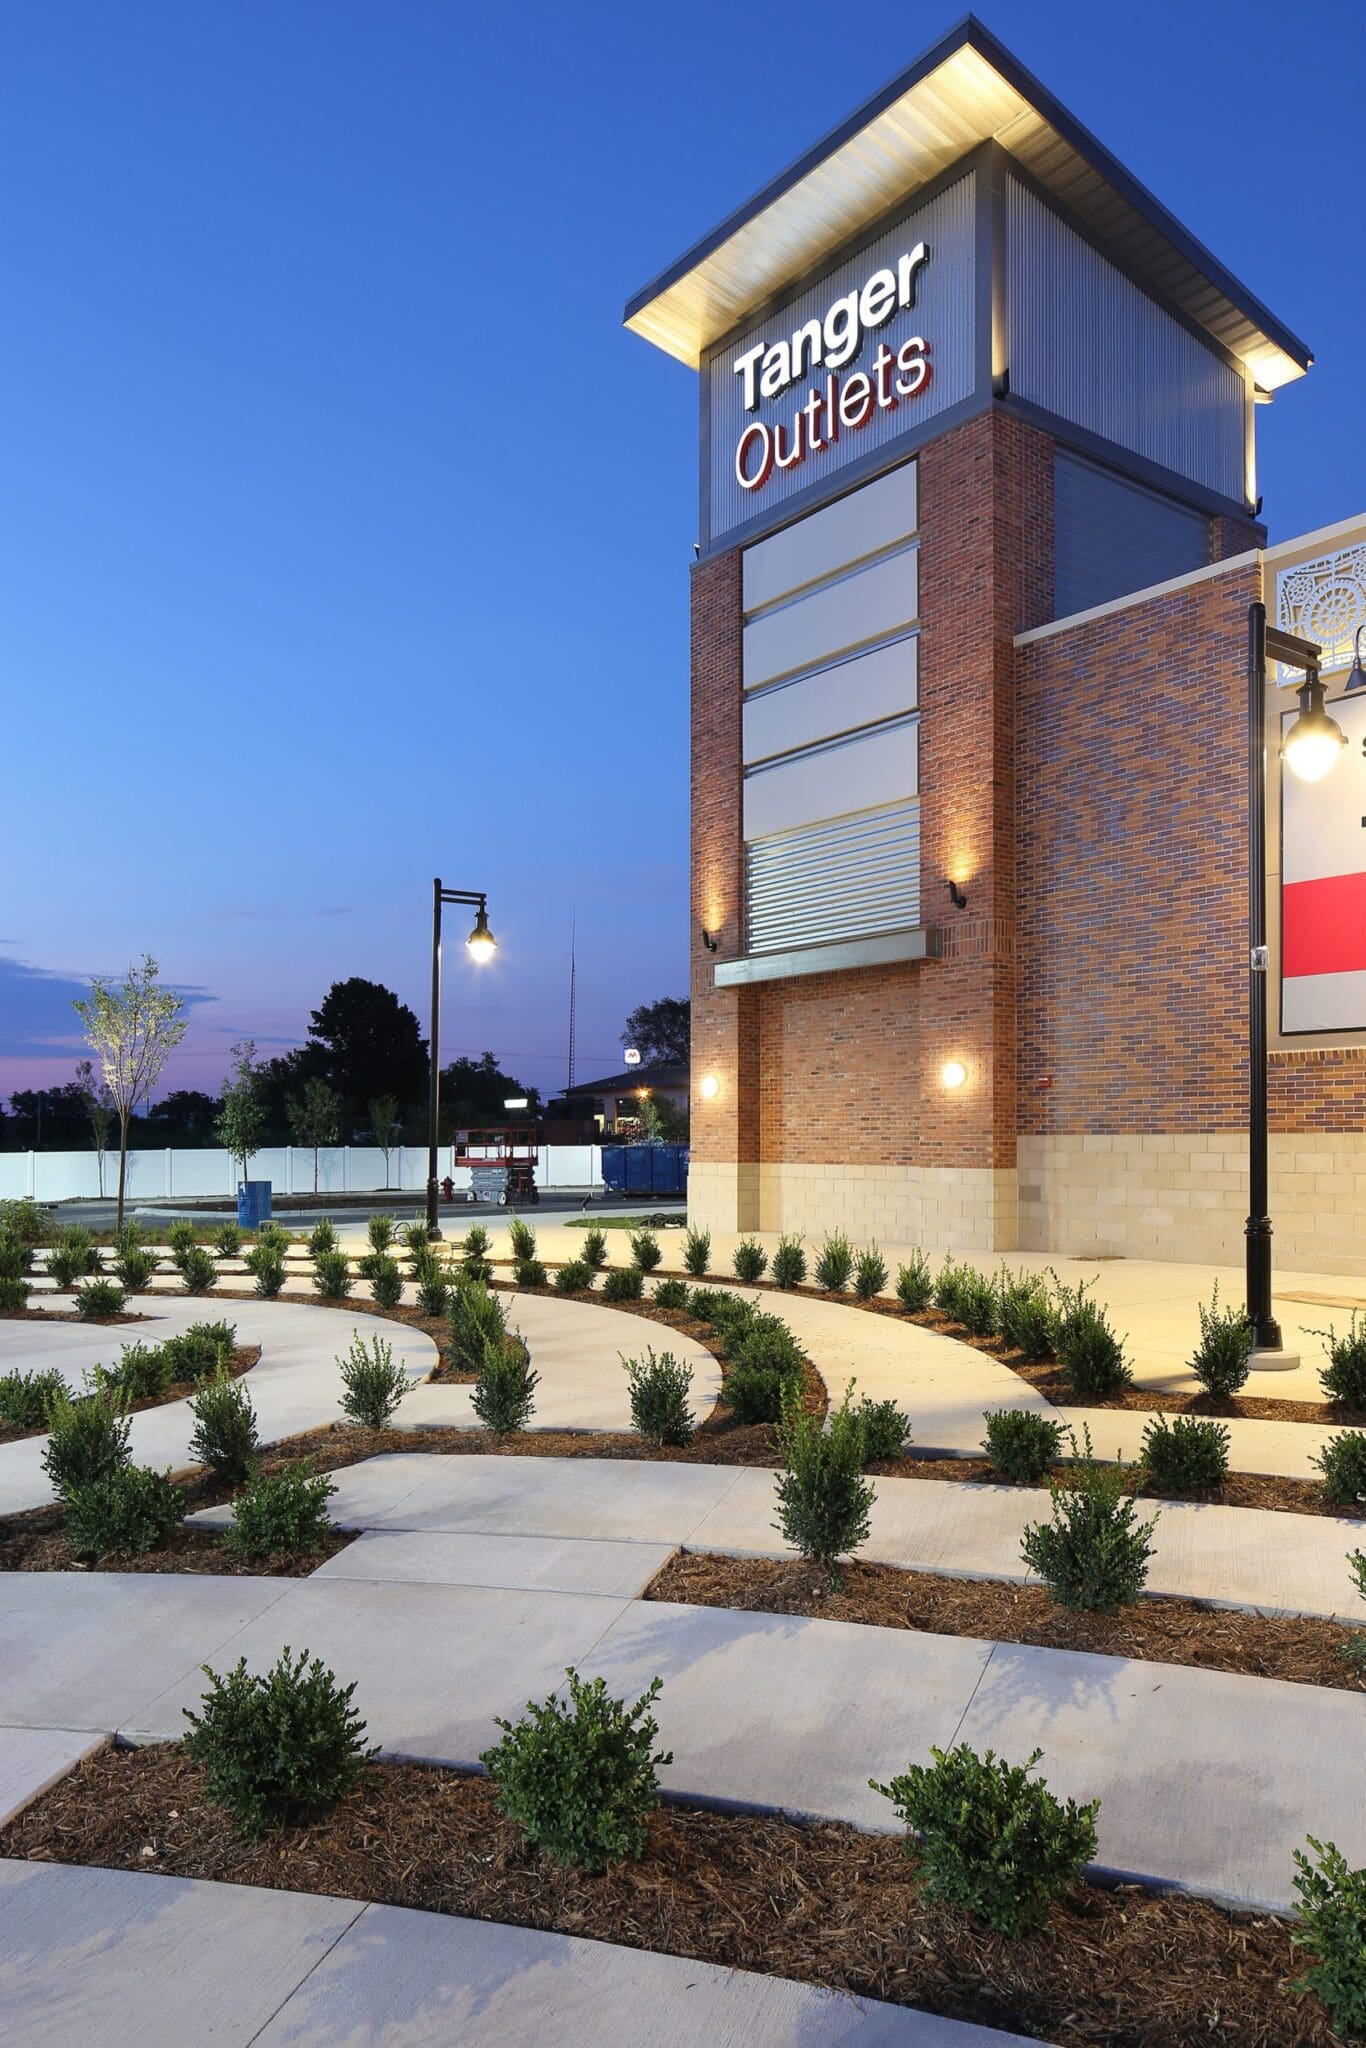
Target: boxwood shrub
580,1777
279,1746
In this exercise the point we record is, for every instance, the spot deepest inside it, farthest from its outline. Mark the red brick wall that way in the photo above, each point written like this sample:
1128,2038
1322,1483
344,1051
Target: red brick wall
1317,1090
841,1072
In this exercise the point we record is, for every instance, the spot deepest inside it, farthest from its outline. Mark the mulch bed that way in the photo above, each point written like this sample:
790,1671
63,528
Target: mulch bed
823,1904
1158,1629
67,1315
243,1358
39,1544
1239,1489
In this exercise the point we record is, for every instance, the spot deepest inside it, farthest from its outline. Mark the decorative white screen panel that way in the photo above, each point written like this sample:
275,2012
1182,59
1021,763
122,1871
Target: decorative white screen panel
1325,600
845,878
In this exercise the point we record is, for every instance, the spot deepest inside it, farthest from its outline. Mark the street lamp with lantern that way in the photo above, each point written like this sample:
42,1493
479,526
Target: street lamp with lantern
1309,750
481,947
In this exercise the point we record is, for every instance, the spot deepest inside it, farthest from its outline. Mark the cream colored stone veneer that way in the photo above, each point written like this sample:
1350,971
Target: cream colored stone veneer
960,1207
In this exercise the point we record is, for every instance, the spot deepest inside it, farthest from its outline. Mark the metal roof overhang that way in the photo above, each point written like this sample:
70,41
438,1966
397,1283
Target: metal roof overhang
963,91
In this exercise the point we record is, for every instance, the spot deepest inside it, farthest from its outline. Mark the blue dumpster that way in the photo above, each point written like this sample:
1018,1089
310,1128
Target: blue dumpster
253,1203
645,1169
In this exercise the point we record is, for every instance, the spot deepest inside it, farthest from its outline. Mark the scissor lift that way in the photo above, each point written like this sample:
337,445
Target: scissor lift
502,1160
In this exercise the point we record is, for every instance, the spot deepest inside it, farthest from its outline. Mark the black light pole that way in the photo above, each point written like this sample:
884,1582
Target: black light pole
481,944
1311,747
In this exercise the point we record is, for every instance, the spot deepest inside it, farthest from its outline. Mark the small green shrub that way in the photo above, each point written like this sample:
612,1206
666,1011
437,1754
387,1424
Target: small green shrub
322,1238
1343,1379
368,1264
660,1410
25,1220
1024,1314
474,1247
697,1252
227,1240
1088,1350
1342,1462
823,1498
580,1779
332,1276
977,1302
433,1287
671,1294
279,1512
87,1439
135,1268
789,1263
26,1397
503,1394
224,1436
530,1273
574,1278
143,1372
947,1285
595,1249
73,1256
374,1385
1354,1649
380,1231
415,1240
764,1370
477,1319
915,1284
1332,1927
182,1237
886,1431
522,1239
129,1512
14,1293
705,1304
835,1263
1185,1455
1094,1553
98,1298
201,1351
267,1268
15,1257
645,1252
1022,1445
273,1237
278,1747
990,1839
127,1235
750,1259
386,1281
870,1274
1223,1357
197,1269
623,1283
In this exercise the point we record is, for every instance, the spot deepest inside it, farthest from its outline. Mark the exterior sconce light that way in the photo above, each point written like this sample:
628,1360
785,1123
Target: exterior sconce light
1357,679
710,1087
953,1073
709,939
956,896
1315,740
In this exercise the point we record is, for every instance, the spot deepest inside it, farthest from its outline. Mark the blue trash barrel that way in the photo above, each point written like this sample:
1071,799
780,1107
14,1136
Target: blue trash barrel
253,1203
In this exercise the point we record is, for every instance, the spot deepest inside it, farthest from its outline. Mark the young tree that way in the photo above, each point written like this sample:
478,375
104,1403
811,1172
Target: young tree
662,1121
241,1125
315,1119
99,1107
132,1026
661,1032
384,1126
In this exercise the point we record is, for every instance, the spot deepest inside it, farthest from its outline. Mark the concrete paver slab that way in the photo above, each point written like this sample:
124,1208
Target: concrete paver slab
128,1959
421,1980
86,1650
31,1759
553,1564
1205,1778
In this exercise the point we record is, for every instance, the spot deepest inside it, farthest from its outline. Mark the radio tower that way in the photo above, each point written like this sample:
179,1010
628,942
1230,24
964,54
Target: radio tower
573,928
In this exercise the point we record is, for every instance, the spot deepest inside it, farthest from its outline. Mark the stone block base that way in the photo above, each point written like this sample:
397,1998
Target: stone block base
960,1208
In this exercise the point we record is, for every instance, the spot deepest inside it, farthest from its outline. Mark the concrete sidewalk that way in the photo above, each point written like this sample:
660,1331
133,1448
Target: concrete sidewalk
128,1959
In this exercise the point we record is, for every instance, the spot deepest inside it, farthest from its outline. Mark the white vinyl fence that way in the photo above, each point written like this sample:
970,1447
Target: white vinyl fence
342,1169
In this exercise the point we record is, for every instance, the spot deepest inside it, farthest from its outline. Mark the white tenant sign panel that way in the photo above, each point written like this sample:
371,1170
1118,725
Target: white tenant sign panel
1323,887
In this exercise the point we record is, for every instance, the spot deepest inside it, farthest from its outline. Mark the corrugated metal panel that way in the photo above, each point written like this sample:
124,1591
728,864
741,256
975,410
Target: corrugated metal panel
1110,536
943,314
1090,346
840,880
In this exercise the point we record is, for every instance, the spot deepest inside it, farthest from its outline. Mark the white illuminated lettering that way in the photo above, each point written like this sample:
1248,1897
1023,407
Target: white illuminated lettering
756,437
842,337
806,349
913,362
745,368
856,401
776,372
908,271
878,299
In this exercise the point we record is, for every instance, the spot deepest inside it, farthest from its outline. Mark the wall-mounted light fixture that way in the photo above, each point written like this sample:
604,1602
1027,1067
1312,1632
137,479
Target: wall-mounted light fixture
956,896
1357,679
709,939
710,1087
953,1073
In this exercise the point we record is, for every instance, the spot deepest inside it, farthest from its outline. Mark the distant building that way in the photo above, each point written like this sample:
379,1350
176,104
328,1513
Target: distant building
614,1102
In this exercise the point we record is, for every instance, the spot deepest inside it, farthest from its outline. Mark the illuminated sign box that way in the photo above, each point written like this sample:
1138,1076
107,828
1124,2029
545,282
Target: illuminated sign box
1323,888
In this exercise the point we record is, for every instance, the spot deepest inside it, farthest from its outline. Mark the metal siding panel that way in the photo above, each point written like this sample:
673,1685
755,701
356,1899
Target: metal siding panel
862,691
944,313
1090,346
1111,536
870,603
875,516
841,880
863,773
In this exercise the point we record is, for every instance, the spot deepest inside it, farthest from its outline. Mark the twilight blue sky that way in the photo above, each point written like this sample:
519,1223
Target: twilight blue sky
346,532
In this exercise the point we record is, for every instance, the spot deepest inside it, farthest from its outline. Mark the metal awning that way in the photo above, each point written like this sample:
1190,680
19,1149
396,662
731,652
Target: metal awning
965,90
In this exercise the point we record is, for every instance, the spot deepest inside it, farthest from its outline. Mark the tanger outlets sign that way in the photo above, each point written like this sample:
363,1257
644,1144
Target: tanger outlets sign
1323,888
873,348
769,369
